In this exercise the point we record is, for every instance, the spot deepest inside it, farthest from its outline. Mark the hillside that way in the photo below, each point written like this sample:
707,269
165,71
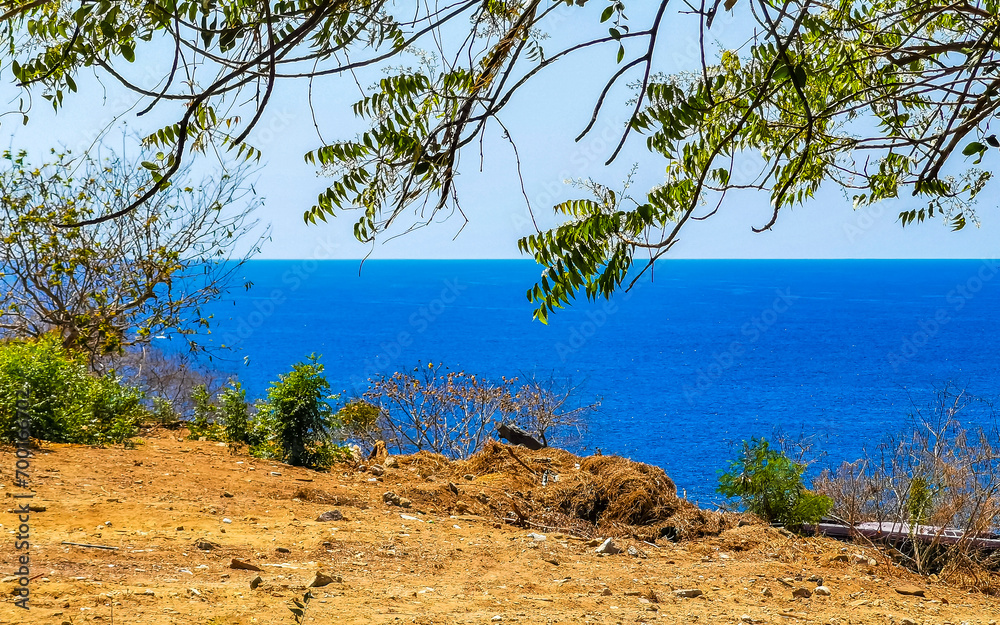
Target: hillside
179,512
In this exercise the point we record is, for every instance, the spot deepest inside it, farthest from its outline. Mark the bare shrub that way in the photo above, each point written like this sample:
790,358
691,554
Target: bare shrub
454,413
940,484
170,376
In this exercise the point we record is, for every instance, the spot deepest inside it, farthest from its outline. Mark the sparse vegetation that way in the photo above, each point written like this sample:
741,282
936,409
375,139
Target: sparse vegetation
454,413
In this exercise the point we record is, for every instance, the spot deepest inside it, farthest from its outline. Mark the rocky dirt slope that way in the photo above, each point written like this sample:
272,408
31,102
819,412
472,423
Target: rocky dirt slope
180,512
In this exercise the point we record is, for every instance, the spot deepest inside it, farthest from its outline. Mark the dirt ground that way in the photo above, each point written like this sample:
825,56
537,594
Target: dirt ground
179,512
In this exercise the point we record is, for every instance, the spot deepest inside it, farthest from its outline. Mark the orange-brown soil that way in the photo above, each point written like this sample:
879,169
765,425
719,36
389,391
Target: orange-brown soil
180,511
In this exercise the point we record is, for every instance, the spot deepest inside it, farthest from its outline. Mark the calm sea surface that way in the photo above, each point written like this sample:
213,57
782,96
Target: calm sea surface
707,354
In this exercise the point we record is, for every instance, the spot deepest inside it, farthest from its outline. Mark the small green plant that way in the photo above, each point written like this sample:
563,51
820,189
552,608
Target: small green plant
163,413
920,500
204,418
298,608
297,418
358,419
237,426
769,484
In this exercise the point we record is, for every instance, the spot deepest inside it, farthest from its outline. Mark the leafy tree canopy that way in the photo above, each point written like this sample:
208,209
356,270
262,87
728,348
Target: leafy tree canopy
882,98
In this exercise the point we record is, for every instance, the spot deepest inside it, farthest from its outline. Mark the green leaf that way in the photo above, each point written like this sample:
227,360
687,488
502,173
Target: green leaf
608,12
128,52
974,148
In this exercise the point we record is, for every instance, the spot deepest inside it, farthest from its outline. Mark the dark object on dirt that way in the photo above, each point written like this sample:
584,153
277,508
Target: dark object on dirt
255,582
331,515
240,565
90,546
516,436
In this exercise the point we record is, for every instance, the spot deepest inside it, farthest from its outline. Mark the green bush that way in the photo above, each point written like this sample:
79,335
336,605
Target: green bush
237,426
204,416
359,418
296,419
769,484
66,403
163,413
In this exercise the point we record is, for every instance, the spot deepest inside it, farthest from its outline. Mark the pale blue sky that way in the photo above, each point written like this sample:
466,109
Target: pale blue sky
543,121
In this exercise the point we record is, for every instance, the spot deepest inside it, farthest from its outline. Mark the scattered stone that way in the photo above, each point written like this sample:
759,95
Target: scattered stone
244,566
390,498
331,515
227,494
636,553
468,477
632,593
815,578
283,550
608,547
688,593
859,558
801,593
255,582
227,520
908,589
552,561
322,579
461,507
390,462
204,545
377,470
536,537
767,592
823,591
180,528
606,592
276,473
746,618
483,498
907,621
497,618
404,502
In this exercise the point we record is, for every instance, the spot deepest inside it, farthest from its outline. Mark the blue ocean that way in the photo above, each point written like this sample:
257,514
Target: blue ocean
697,357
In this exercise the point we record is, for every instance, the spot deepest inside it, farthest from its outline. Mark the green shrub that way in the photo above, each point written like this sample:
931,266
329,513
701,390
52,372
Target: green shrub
163,413
296,418
237,426
204,416
359,419
769,484
66,403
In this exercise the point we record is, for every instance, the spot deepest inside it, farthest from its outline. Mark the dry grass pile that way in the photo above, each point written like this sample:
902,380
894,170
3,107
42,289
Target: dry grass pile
610,494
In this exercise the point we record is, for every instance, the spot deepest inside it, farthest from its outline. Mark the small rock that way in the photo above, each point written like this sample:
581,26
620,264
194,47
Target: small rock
608,547
636,553
390,498
331,515
536,537
801,593
767,592
404,502
907,621
322,579
497,618
180,528
390,463
244,566
815,578
606,592
204,545
227,520
227,494
483,498
377,470
461,507
468,477
908,589
255,582
688,593
631,593
282,550
746,618
276,473
822,591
